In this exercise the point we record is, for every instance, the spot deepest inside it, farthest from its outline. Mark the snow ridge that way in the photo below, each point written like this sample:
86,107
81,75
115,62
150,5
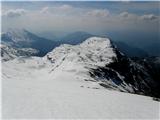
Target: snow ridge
93,51
9,53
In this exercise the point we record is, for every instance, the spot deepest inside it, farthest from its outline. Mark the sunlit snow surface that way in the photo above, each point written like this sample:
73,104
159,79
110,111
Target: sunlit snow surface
38,88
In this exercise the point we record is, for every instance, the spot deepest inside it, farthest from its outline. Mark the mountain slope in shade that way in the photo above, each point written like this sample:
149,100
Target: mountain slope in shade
59,85
25,39
130,51
76,37
153,49
141,76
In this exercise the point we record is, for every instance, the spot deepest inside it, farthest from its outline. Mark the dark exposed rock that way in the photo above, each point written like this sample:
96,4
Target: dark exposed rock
142,75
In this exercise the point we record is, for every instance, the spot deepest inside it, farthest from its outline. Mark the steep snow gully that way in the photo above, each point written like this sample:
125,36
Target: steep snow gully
59,85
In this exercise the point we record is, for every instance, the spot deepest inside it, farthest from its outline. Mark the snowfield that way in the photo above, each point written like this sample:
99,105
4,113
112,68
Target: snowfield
58,86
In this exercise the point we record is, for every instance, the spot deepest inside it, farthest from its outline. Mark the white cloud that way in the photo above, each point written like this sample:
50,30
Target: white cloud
128,16
149,17
66,17
15,12
65,7
135,17
44,10
62,9
98,13
124,14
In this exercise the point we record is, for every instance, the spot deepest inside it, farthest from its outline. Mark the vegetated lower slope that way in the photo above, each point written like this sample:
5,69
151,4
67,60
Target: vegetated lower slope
59,85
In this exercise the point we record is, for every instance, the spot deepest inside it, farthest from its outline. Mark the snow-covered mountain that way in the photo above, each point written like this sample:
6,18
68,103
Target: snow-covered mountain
73,81
94,51
106,65
21,38
16,36
141,77
9,53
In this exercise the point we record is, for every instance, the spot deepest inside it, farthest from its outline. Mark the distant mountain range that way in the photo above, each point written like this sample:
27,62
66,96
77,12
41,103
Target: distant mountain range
21,38
130,51
148,42
25,39
153,49
75,38
9,53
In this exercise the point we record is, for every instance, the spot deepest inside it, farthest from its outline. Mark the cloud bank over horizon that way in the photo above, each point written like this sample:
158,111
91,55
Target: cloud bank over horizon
81,16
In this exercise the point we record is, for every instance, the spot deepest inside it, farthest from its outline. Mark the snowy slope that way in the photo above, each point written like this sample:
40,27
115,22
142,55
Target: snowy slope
31,91
9,53
59,86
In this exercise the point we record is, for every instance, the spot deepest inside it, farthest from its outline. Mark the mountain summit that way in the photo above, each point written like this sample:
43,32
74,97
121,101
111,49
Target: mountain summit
93,51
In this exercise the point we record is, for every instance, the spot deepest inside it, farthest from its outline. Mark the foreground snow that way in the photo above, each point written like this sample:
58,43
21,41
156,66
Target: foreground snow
32,90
